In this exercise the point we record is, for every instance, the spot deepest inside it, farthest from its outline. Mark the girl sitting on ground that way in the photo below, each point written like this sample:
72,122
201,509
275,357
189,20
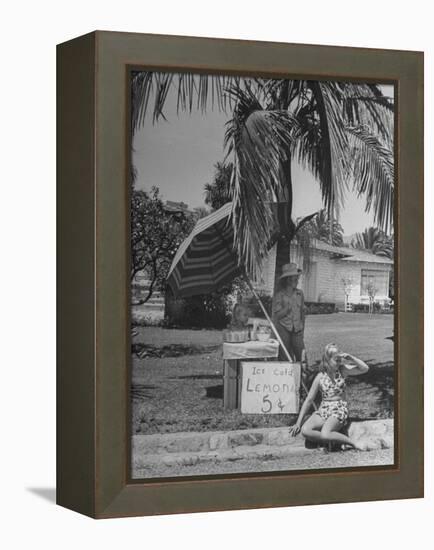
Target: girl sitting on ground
240,317
326,423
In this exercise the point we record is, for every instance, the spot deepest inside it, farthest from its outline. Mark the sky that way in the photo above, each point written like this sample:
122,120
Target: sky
178,155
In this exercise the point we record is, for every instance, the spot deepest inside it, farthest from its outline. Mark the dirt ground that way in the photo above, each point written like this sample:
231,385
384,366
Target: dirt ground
177,374
314,460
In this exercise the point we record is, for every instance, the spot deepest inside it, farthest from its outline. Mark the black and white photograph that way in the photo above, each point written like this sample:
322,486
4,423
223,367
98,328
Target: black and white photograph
225,210
262,278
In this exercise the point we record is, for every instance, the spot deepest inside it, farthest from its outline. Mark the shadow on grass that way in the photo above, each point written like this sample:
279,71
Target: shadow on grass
382,376
214,392
142,391
196,377
373,393
171,350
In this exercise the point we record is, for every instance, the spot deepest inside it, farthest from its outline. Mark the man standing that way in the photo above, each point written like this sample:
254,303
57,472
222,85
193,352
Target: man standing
288,312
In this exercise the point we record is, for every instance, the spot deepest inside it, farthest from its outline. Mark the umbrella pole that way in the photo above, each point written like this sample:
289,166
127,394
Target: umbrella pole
255,294
288,355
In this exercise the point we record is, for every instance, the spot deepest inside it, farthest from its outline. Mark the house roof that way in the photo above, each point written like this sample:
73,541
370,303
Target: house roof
349,254
177,207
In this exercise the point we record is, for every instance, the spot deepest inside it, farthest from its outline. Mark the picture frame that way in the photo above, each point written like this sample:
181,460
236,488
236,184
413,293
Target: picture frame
93,451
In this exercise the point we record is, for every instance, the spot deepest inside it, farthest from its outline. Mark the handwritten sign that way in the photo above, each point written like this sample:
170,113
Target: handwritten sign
270,387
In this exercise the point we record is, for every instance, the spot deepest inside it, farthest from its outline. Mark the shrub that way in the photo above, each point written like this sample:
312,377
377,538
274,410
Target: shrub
364,308
316,308
255,309
203,311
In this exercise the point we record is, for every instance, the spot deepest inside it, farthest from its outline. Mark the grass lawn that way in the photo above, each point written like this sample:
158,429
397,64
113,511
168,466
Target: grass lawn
177,378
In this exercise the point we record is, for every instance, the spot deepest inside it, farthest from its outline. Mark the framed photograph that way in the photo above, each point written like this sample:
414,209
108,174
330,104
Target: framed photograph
240,274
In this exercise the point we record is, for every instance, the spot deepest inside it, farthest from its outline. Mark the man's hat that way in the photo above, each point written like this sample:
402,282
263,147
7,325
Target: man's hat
288,270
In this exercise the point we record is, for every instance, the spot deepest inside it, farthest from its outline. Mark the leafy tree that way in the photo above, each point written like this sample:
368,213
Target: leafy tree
156,234
372,291
348,284
200,212
133,175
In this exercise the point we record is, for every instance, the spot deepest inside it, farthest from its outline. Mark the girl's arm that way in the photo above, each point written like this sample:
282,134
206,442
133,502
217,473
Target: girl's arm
360,368
306,406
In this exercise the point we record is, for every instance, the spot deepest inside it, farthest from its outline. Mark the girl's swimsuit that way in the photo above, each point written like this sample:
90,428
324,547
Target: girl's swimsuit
330,389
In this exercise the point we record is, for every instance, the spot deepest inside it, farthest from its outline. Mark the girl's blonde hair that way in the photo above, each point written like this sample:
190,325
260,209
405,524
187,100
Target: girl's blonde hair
329,350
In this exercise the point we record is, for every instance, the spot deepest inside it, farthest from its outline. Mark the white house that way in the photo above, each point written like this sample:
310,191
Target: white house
330,266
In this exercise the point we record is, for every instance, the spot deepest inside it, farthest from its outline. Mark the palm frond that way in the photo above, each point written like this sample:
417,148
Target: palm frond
304,239
142,85
373,172
374,240
258,141
327,148
365,104
330,154
193,91
302,221
321,227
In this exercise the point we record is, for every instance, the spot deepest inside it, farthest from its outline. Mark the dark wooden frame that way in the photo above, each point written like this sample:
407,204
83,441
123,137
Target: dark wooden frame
93,252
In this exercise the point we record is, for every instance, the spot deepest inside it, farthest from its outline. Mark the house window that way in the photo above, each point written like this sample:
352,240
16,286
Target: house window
378,279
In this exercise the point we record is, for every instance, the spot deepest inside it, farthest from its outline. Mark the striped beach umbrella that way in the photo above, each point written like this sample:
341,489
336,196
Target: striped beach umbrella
205,261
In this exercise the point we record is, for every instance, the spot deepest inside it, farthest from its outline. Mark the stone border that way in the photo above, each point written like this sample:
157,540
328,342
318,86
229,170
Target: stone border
376,434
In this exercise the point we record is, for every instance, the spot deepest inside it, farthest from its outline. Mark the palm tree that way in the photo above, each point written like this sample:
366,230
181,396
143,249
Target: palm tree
341,132
314,123
375,241
325,228
219,191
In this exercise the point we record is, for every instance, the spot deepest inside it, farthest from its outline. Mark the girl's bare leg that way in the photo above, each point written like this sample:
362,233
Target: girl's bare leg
330,432
312,428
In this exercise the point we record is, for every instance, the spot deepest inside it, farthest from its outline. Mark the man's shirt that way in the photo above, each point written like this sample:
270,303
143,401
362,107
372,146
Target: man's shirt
294,319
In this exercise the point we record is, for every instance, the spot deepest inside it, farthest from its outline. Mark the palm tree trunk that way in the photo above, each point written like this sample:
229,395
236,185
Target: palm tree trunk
286,225
283,255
